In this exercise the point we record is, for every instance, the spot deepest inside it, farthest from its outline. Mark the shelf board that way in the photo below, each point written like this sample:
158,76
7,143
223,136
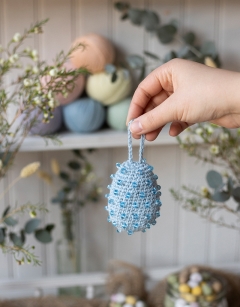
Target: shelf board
105,138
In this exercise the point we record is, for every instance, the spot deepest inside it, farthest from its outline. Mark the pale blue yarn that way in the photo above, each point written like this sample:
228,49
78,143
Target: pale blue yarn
134,197
84,115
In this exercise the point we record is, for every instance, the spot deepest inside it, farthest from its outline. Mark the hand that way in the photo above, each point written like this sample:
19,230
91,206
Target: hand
183,93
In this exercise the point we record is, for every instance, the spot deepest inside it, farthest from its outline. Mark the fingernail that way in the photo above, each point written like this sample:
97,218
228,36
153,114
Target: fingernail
136,127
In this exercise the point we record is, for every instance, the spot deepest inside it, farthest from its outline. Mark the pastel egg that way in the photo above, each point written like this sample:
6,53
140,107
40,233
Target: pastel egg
140,304
197,277
120,298
101,88
206,289
180,303
189,297
184,288
217,286
192,284
96,53
130,300
197,291
210,298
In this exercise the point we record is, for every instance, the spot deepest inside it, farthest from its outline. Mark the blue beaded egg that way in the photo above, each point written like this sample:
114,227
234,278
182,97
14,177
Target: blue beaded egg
134,198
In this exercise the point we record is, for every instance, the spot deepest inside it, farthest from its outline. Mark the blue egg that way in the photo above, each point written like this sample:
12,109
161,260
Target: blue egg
84,115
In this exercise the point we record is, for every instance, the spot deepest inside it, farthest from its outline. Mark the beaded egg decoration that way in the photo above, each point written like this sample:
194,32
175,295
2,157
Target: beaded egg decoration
134,197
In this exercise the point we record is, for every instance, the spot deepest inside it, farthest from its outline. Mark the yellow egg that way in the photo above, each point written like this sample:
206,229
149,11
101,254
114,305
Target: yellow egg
210,298
130,300
189,297
184,288
197,291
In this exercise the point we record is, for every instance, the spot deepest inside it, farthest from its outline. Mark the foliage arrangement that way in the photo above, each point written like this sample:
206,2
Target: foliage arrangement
34,86
80,186
220,147
167,33
208,143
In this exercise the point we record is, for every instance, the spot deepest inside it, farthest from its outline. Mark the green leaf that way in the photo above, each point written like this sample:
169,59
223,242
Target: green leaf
166,33
214,179
221,196
114,77
189,38
135,61
150,21
151,55
10,221
32,225
230,185
121,6
2,235
236,194
5,212
78,153
110,68
43,236
136,16
208,48
74,165
23,237
50,227
16,239
61,195
124,16
64,176
169,56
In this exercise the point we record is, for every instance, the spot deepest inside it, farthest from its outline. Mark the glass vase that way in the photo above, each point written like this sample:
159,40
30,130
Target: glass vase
67,251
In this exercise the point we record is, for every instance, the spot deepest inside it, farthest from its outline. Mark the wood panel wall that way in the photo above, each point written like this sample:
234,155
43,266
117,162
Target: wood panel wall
179,237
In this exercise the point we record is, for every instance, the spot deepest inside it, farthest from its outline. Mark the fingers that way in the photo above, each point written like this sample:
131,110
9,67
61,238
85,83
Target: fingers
147,89
156,118
177,127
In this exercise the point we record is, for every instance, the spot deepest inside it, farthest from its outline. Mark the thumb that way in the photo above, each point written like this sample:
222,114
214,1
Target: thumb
156,118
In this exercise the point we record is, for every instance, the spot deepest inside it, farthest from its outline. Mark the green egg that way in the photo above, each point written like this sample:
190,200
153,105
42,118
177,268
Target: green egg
207,290
172,279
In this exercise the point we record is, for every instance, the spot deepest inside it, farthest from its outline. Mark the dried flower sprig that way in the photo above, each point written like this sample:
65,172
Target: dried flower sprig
220,147
34,86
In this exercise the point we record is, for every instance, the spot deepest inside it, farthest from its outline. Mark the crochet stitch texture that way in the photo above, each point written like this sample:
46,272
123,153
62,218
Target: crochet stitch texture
134,197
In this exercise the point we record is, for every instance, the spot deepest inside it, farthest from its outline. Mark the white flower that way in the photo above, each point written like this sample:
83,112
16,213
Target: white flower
45,115
49,95
34,55
38,88
37,100
35,70
53,72
214,149
13,58
199,131
28,68
204,191
27,50
16,37
209,129
27,82
224,136
51,103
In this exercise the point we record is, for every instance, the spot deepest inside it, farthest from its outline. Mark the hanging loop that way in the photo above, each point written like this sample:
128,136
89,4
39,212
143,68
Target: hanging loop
141,149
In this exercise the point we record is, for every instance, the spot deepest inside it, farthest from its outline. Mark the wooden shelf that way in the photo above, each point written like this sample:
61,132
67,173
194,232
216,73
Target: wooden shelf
106,138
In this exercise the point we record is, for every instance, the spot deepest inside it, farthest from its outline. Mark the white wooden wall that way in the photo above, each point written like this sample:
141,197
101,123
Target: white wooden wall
179,237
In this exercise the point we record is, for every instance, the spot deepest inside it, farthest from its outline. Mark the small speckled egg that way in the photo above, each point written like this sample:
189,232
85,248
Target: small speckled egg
217,286
206,289
210,298
140,304
189,297
184,288
131,300
197,277
197,291
192,284
180,303
120,298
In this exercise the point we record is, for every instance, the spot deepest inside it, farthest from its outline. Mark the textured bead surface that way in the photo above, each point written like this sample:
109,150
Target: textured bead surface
134,196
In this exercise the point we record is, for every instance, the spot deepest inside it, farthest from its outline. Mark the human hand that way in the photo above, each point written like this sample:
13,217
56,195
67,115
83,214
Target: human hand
183,93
